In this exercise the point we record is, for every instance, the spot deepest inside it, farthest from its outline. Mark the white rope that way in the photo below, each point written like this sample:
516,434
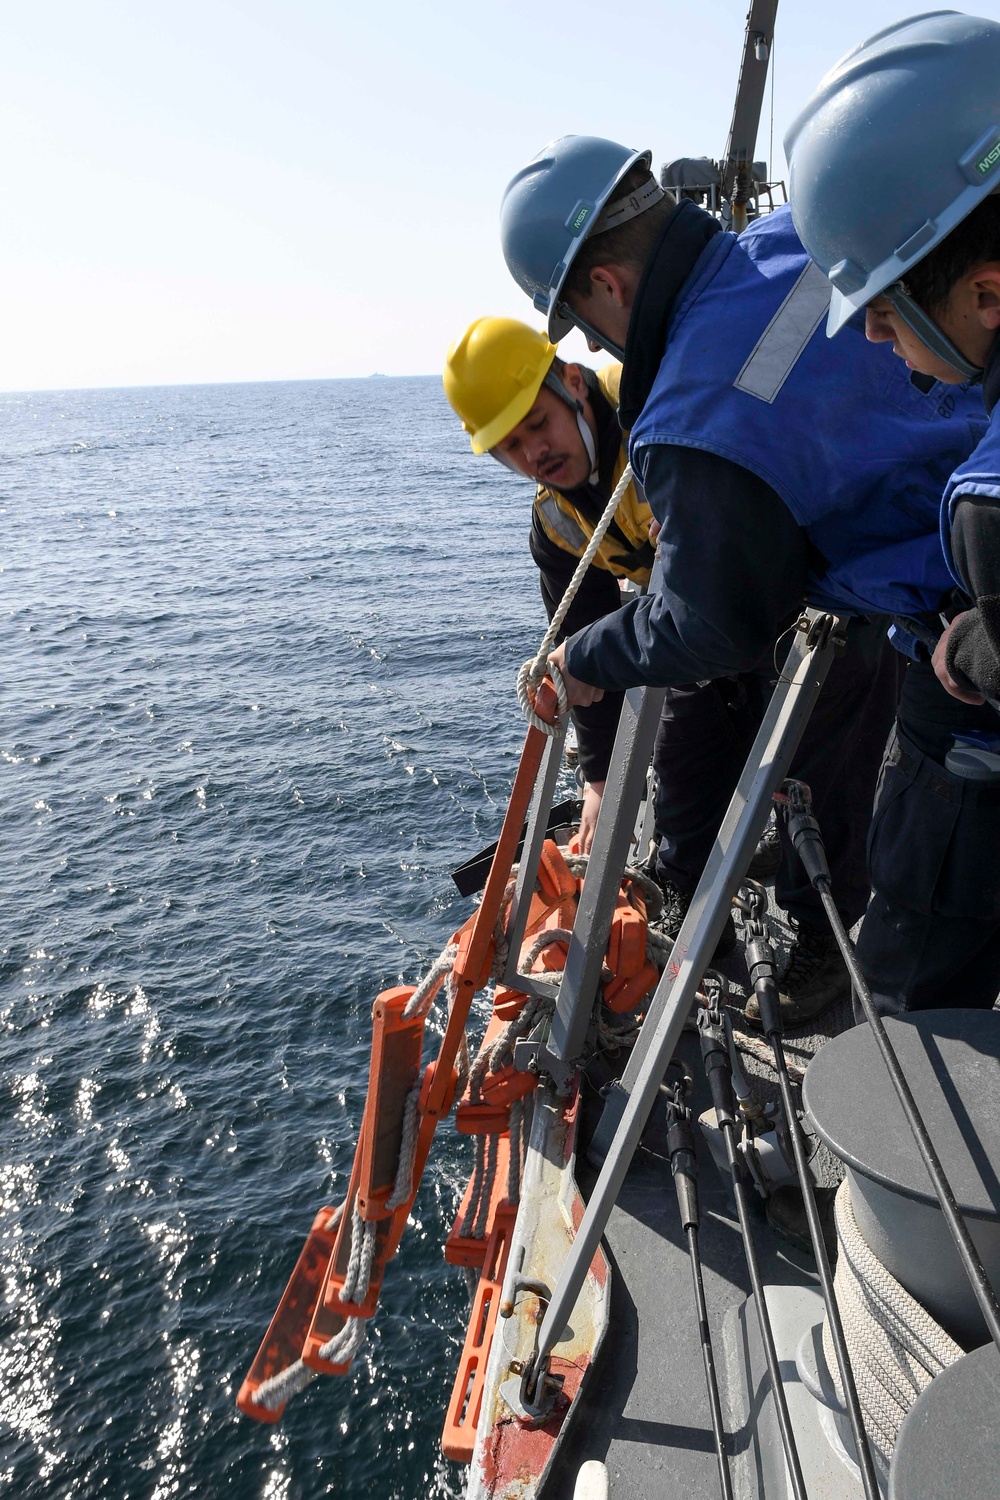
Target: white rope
288,1382
342,1348
486,1190
490,1060
359,1265
527,689
536,1008
271,1394
422,998
403,1185
339,1350
658,948
613,1038
467,1228
896,1347
543,940
532,672
652,893
754,1047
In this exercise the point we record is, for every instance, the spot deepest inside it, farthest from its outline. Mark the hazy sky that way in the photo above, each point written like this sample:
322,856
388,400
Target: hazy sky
248,190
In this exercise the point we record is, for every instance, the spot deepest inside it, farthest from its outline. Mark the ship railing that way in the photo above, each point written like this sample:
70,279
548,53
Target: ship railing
818,636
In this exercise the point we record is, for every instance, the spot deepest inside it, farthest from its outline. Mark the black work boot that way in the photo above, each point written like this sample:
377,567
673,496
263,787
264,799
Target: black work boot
767,856
675,909
786,1214
814,980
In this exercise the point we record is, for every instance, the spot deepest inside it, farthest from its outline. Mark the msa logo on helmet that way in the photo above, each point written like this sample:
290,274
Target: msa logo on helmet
988,162
579,217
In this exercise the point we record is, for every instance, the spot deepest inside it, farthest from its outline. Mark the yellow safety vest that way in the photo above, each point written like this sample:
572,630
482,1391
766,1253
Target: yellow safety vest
569,529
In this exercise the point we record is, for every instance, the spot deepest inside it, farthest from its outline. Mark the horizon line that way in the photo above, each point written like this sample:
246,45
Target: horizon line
175,385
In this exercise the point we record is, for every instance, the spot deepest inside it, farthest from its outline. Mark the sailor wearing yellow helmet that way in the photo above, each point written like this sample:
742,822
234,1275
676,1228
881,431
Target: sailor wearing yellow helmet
556,423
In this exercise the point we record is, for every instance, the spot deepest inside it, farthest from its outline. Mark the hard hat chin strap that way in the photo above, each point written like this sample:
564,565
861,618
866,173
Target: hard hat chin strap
564,310
555,384
928,332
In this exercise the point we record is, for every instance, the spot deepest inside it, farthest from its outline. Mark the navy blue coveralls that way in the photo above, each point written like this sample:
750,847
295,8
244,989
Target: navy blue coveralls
740,565
706,728
932,933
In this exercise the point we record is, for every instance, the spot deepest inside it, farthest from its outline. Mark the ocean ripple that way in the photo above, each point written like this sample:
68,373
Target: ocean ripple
260,646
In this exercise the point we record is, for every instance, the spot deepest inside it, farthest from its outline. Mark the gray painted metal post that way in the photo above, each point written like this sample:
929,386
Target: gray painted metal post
612,838
791,704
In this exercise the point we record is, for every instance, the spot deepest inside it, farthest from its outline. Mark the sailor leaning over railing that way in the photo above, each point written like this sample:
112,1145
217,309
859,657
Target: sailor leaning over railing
925,97
781,466
556,423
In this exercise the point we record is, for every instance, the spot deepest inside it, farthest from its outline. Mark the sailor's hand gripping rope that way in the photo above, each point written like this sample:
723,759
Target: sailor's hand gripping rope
533,672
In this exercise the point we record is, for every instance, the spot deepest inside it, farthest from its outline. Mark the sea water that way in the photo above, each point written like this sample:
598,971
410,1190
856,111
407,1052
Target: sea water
259,653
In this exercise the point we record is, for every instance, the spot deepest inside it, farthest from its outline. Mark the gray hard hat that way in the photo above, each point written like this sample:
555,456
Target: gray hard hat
899,143
552,205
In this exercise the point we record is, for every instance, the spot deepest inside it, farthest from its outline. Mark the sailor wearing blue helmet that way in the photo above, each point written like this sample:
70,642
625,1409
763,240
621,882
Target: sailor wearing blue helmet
781,467
894,165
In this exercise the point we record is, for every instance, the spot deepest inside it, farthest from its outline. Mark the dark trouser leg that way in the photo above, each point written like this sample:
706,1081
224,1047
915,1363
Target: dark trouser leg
915,962
705,733
931,936
839,758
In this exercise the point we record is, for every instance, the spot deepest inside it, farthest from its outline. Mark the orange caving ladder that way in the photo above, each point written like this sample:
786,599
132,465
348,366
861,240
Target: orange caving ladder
334,1289
311,1307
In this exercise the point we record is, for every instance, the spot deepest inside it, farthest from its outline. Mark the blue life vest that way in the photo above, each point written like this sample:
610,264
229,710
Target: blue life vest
835,426
979,475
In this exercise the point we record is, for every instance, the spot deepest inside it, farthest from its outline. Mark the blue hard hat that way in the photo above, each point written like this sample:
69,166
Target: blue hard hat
899,143
548,210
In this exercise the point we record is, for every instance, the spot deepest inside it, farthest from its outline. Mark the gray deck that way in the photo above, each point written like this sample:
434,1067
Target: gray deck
645,1413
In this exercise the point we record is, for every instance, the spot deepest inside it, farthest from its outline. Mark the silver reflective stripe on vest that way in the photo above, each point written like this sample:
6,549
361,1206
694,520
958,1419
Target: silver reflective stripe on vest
783,340
563,525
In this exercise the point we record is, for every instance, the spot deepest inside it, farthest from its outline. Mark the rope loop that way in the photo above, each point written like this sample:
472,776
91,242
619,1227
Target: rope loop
544,939
422,998
527,689
342,1348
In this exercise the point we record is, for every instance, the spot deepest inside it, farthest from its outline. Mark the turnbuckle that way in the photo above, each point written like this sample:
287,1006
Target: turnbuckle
795,798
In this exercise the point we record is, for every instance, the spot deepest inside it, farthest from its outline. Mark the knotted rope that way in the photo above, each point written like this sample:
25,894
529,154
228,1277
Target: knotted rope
531,673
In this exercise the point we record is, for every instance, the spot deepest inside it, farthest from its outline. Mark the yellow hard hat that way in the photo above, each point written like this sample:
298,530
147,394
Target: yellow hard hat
492,376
